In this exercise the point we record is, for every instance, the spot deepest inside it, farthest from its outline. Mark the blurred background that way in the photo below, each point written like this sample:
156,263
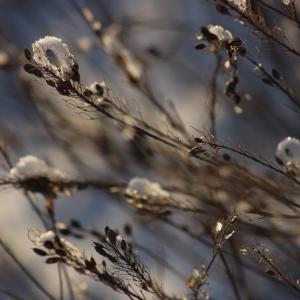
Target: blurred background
35,120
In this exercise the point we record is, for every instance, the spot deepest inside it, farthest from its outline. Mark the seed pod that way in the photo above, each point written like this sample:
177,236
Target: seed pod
65,231
267,81
99,89
90,264
242,51
60,252
27,54
62,90
75,76
53,260
200,46
75,66
127,229
29,68
123,245
112,236
276,74
222,9
51,82
39,252
236,42
75,224
38,73
49,245
87,93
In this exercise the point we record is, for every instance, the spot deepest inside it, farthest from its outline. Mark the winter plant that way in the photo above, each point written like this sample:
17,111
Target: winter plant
242,208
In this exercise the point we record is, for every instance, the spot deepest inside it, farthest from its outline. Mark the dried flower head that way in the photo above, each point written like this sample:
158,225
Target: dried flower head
219,38
215,35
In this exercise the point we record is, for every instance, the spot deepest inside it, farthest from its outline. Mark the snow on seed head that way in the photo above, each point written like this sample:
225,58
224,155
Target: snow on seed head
222,34
242,5
30,166
288,152
142,187
51,53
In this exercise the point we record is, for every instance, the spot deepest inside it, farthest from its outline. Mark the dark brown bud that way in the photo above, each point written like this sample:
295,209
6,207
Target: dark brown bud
29,68
27,54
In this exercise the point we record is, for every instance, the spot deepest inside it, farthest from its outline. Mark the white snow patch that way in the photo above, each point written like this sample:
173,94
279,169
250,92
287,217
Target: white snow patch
288,151
141,187
51,52
30,166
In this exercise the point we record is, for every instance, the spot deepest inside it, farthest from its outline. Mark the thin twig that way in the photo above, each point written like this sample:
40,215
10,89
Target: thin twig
213,96
23,268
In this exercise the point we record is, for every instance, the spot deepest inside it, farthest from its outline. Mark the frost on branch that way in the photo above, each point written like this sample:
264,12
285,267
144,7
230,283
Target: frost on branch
288,153
50,52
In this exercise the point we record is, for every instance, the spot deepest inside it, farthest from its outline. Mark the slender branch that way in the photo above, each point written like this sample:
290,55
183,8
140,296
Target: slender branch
24,269
278,11
274,82
60,281
231,277
11,294
213,96
270,36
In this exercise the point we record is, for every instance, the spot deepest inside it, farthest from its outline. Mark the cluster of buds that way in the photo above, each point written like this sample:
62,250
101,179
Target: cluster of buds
218,38
52,61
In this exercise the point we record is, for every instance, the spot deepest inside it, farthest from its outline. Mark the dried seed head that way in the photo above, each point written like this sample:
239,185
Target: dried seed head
221,33
52,54
288,152
242,5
